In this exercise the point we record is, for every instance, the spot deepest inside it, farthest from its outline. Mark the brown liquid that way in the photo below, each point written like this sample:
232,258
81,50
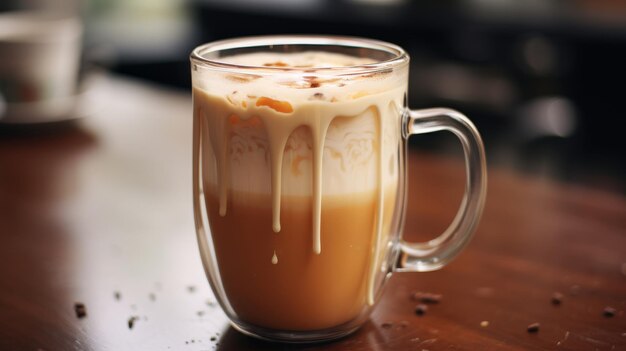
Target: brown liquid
303,290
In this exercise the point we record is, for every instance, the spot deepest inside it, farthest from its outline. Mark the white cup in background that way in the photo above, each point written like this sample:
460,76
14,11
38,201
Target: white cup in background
39,65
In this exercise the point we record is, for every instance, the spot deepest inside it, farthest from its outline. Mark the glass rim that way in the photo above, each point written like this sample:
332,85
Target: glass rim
399,55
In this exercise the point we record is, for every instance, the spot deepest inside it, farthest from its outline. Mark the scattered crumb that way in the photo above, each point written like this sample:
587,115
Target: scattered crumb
533,328
152,297
213,338
484,324
191,289
210,303
421,309
131,321
609,311
80,309
117,295
557,298
200,313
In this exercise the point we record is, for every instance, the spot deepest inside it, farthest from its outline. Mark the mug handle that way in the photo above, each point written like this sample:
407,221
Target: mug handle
434,254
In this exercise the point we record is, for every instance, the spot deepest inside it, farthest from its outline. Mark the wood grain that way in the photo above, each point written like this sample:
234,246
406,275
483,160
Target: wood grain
102,208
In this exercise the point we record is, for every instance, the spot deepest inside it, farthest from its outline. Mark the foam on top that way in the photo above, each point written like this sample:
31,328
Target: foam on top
304,77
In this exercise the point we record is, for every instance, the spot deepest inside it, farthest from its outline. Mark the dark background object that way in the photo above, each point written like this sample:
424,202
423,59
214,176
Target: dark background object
542,80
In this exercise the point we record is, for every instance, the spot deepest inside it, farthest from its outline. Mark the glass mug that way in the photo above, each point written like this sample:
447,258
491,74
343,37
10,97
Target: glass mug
299,180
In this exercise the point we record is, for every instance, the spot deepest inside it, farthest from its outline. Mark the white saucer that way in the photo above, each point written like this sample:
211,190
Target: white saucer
44,111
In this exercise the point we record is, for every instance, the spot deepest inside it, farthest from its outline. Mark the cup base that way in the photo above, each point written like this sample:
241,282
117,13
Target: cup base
295,337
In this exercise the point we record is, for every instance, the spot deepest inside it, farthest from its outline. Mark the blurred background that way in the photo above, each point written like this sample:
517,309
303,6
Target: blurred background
543,80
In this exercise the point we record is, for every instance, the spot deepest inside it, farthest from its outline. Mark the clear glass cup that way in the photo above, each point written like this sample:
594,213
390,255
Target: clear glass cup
299,180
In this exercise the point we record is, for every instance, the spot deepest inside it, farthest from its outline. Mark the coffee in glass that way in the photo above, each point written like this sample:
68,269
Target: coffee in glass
299,180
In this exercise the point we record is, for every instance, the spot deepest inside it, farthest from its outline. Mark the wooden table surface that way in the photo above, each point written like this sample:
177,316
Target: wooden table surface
100,212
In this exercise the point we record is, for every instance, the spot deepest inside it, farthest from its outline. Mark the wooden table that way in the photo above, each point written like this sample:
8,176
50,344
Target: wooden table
100,212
